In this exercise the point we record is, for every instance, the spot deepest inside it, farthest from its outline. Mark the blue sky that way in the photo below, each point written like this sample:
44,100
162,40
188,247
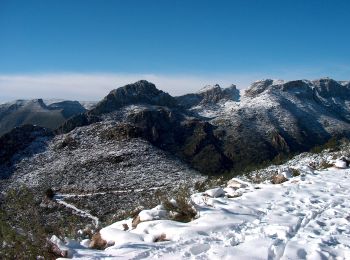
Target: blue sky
203,41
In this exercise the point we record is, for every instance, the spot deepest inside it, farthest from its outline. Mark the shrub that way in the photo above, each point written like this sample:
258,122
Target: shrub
324,164
183,210
333,145
22,234
295,172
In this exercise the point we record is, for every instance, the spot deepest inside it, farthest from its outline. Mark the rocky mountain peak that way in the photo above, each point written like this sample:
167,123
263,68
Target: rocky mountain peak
213,94
210,94
258,87
140,92
209,88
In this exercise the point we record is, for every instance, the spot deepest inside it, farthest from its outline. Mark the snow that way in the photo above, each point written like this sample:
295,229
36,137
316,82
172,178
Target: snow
78,211
306,217
153,214
340,164
215,193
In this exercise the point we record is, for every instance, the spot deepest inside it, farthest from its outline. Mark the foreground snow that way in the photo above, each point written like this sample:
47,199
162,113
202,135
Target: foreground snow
306,217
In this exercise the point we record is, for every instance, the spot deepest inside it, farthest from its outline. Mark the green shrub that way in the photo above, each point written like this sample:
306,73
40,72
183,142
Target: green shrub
333,145
295,172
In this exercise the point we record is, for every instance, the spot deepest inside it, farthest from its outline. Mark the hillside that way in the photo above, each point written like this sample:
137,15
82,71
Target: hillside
305,217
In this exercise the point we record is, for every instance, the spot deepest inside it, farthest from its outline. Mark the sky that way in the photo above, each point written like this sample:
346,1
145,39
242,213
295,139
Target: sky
81,49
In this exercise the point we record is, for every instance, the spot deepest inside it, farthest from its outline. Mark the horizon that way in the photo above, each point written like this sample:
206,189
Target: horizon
196,91
83,49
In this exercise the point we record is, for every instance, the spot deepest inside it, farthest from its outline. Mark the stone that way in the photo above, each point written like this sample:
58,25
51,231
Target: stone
278,179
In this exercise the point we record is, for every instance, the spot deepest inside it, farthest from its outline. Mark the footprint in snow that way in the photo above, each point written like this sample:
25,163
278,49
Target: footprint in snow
198,249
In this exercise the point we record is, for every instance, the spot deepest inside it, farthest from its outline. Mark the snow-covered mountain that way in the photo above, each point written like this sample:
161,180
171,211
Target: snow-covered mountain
271,119
36,112
277,118
139,142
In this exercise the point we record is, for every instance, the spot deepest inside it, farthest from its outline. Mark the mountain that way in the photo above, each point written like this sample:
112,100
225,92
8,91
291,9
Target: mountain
222,129
139,144
36,112
275,118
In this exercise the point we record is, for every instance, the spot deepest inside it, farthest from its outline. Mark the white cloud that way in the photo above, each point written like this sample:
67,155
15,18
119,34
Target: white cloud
94,86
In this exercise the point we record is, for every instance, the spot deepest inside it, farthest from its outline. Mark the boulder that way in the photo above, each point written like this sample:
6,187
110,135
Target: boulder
215,193
97,242
232,192
236,184
278,179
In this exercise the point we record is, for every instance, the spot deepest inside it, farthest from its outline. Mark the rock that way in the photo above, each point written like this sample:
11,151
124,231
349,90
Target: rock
97,242
232,193
215,193
125,227
56,251
136,220
140,92
278,179
58,247
236,184
161,238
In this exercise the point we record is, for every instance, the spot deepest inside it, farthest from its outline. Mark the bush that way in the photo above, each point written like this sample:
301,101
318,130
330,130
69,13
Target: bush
295,172
183,210
324,164
333,145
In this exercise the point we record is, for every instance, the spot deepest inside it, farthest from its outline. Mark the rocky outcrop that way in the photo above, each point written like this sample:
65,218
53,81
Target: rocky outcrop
209,95
258,87
141,92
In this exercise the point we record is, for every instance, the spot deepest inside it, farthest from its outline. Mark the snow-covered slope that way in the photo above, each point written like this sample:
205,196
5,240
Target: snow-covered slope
89,160
306,217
